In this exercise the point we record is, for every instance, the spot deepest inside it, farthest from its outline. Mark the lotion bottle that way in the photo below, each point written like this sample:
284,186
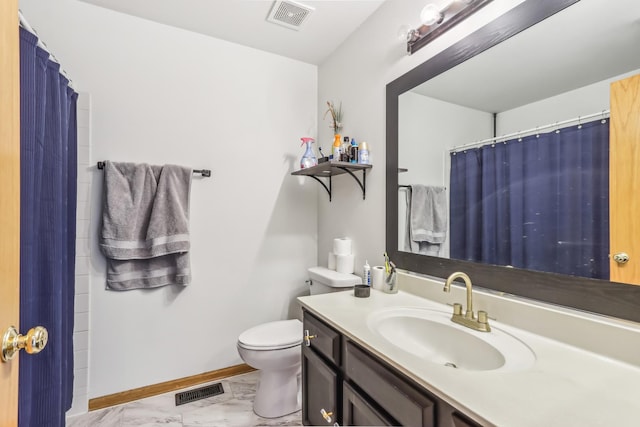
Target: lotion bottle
336,148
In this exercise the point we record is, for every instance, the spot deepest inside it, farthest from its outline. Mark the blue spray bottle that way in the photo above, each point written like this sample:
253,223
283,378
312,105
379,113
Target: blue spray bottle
308,158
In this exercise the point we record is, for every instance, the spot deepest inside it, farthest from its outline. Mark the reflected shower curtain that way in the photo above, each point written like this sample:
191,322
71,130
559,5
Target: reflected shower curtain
539,203
48,169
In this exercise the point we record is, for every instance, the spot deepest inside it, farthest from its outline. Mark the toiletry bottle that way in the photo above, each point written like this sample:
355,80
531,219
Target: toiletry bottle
308,158
353,151
366,276
363,154
344,150
336,148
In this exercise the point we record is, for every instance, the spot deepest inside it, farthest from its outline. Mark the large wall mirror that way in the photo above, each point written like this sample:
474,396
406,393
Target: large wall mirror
534,77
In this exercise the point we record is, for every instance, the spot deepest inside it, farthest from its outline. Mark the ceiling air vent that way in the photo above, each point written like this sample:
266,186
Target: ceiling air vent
289,13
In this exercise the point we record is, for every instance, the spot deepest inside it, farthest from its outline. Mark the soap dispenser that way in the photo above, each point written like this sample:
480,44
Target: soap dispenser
308,158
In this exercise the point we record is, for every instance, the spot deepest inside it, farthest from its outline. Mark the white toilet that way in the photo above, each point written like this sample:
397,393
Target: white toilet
274,349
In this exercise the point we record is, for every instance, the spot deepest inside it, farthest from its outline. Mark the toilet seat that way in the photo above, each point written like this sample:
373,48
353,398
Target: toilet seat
276,335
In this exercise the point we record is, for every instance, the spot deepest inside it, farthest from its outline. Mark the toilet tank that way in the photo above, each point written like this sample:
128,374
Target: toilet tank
322,280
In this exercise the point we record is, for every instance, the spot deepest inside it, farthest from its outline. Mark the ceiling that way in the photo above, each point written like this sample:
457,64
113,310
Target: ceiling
244,22
598,41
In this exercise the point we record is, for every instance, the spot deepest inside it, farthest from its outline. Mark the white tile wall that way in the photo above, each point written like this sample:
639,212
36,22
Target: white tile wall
81,315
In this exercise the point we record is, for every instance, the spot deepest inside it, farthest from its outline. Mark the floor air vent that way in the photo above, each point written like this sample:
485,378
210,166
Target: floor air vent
199,393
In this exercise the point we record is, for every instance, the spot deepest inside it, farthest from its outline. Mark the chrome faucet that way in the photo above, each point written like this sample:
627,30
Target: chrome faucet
468,319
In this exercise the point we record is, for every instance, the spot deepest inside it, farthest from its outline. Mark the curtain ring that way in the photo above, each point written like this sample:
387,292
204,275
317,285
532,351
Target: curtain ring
604,120
557,128
537,133
519,136
579,123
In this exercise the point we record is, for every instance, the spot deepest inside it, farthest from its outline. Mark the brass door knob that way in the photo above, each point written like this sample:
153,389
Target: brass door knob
621,258
33,342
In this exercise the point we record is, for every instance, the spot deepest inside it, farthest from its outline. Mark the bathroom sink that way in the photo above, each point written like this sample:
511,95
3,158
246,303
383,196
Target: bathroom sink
433,337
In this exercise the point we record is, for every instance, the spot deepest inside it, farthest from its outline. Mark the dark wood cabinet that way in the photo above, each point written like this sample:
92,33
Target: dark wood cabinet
320,390
322,338
341,378
356,411
403,401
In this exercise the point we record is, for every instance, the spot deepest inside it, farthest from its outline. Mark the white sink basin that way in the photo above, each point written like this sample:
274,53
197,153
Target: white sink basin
432,336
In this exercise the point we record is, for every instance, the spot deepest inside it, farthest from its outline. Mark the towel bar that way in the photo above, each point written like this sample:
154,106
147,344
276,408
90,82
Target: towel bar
203,172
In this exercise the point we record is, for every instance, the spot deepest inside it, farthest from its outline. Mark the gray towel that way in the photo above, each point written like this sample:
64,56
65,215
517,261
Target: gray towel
427,219
145,225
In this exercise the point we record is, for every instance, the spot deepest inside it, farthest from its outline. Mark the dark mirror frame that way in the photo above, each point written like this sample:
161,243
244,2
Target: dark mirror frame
598,296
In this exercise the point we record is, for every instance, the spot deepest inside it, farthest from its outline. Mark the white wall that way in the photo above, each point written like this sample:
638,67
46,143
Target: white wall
357,74
583,101
427,129
165,95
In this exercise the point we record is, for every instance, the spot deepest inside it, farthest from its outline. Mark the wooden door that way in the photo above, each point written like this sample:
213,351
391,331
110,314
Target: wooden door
9,201
624,185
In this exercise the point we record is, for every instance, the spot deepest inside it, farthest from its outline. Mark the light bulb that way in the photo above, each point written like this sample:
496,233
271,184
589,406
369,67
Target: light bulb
430,14
403,32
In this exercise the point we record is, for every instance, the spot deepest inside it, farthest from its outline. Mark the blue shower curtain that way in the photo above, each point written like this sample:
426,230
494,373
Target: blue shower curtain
48,170
539,203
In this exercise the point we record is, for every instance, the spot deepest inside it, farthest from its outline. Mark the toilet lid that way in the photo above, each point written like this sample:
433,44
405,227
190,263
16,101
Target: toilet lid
278,334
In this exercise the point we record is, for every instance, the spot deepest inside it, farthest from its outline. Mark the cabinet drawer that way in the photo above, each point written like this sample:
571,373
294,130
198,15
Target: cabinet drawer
393,394
356,411
325,341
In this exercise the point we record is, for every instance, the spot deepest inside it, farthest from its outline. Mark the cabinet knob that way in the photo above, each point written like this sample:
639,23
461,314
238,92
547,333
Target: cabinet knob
326,415
308,338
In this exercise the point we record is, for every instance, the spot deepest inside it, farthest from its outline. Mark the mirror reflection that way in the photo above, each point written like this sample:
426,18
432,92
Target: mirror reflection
507,155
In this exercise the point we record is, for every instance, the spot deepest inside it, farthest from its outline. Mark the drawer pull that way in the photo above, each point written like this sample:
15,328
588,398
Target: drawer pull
326,415
308,338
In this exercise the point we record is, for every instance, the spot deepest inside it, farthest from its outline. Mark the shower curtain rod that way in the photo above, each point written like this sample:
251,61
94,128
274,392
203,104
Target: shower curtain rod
204,172
25,24
579,119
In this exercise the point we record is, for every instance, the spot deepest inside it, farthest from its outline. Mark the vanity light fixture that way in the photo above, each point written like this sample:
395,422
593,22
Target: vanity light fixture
436,18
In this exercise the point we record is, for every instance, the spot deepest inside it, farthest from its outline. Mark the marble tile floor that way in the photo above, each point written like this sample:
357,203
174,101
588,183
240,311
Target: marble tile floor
232,408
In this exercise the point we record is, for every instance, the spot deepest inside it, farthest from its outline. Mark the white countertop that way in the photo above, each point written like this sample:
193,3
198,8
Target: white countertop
567,386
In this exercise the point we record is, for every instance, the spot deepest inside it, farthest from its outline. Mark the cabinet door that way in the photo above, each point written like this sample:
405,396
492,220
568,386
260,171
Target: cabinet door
357,412
320,390
404,402
460,420
325,340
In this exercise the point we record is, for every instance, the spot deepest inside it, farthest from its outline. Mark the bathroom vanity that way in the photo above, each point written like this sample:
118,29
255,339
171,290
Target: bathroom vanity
363,363
346,384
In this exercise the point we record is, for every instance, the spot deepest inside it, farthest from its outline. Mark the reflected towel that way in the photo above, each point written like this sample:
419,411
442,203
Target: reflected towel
426,219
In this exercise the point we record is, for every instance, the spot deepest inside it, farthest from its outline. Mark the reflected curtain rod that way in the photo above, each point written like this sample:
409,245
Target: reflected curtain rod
203,172
603,114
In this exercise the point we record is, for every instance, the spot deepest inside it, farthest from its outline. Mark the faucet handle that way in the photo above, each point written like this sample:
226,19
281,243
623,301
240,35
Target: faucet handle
457,309
482,316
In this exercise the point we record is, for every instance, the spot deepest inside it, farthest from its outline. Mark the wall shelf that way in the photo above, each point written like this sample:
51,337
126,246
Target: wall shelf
330,169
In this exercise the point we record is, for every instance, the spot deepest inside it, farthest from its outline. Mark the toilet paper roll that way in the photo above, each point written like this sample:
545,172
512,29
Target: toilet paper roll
331,261
342,246
377,277
344,263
